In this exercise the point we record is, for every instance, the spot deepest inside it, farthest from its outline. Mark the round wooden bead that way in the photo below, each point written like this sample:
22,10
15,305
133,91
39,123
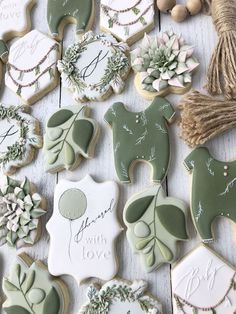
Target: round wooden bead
165,5
179,13
194,6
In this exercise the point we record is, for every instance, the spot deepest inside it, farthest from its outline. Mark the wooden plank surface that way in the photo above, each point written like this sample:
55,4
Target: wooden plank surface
197,31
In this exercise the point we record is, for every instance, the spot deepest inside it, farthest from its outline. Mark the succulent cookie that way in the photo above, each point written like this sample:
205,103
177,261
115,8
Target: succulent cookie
155,223
30,289
19,135
94,67
70,135
61,12
141,136
119,296
163,65
32,66
20,212
203,282
83,229
14,21
127,20
213,190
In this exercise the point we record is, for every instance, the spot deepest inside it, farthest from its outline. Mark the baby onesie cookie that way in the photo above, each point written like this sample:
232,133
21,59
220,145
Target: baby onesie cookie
14,21
19,137
141,136
119,296
213,190
94,67
127,20
203,282
70,135
32,66
30,289
61,12
163,65
83,229
154,224
20,211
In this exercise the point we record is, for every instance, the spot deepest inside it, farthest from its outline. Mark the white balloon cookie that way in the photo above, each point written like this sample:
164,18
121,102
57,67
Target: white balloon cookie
32,66
83,229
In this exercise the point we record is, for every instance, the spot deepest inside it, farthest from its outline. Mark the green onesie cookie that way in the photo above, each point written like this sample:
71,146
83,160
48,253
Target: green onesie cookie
141,136
213,190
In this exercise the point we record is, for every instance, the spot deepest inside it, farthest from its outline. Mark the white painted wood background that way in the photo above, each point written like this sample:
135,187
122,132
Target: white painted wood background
197,31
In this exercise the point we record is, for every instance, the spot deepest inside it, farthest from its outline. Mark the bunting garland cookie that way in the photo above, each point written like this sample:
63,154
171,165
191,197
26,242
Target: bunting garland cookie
32,66
119,296
19,137
30,289
94,67
128,20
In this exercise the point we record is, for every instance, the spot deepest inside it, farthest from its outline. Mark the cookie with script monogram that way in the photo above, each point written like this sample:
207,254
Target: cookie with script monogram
203,282
32,66
83,229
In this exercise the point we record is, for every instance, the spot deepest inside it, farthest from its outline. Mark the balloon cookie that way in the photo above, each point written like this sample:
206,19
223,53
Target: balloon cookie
94,67
20,212
69,136
213,190
32,67
19,136
30,289
203,282
119,296
83,229
141,136
14,21
155,223
61,12
127,20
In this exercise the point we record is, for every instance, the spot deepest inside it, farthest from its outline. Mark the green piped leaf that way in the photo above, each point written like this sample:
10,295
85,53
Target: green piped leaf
16,309
151,259
37,212
82,134
9,286
52,302
26,186
165,251
29,280
59,118
69,154
136,210
142,244
12,182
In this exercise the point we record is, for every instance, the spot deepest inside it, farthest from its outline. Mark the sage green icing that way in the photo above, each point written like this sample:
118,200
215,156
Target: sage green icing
156,229
36,295
213,190
54,133
16,310
82,141
59,118
141,136
52,302
3,50
72,204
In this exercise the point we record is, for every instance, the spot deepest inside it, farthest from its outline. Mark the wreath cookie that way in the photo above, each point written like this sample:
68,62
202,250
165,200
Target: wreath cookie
19,136
95,67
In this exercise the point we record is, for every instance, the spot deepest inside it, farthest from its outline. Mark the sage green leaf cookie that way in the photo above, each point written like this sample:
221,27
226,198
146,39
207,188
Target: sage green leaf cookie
69,136
154,224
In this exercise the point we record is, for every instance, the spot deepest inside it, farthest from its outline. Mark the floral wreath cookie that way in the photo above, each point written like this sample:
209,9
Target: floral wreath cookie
20,212
127,20
32,66
163,65
155,223
19,136
70,135
95,67
30,289
119,296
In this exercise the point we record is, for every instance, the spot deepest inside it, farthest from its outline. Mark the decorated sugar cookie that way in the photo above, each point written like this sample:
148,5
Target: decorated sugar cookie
155,223
127,20
141,136
83,229
203,282
32,66
30,289
61,12
14,21
20,211
94,67
70,135
19,136
163,65
213,190
119,296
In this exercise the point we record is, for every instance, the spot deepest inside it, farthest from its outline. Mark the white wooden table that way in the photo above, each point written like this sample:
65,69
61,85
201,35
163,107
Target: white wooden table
197,31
